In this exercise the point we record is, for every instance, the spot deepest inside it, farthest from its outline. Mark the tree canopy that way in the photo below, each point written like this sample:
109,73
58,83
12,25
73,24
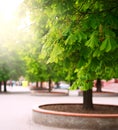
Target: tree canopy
81,36
82,32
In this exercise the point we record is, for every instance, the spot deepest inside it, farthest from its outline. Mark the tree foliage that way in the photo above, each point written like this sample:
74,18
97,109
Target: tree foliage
82,33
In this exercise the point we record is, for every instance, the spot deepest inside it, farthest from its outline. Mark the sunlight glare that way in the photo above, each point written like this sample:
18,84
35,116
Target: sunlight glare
8,8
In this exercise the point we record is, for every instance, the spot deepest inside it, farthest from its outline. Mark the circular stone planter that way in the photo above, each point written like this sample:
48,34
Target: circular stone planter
53,115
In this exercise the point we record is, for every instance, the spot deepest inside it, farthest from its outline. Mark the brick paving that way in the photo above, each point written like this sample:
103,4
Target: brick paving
16,107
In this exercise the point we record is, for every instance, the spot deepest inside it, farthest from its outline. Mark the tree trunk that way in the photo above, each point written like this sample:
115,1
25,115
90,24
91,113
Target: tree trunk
87,100
0,86
50,87
5,86
71,82
37,84
98,85
41,85
57,84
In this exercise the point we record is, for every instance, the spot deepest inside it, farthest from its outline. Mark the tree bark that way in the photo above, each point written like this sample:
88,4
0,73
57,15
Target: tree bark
87,100
37,84
71,82
57,84
98,85
5,86
50,87
41,85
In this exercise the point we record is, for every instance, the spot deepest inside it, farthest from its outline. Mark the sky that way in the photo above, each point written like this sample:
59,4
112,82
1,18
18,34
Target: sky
8,19
8,8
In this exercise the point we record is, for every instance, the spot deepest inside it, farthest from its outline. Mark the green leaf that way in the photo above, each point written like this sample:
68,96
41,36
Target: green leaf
107,44
96,53
71,39
93,41
94,21
114,44
81,35
103,45
81,62
56,52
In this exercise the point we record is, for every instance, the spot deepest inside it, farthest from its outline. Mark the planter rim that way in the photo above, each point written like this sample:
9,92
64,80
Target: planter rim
87,115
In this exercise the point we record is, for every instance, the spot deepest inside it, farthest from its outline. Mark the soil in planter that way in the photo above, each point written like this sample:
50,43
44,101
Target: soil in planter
77,108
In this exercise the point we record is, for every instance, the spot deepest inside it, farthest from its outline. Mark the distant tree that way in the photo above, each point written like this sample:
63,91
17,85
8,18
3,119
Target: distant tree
4,75
98,85
11,65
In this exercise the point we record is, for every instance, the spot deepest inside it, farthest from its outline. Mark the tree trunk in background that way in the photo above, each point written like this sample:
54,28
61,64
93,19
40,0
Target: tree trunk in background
71,82
0,86
57,84
98,85
50,87
41,85
37,84
5,86
87,100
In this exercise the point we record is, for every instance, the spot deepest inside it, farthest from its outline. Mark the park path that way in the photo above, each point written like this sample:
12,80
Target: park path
16,111
16,108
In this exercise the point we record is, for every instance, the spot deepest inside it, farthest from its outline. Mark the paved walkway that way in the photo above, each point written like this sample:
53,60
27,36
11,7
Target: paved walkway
16,108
